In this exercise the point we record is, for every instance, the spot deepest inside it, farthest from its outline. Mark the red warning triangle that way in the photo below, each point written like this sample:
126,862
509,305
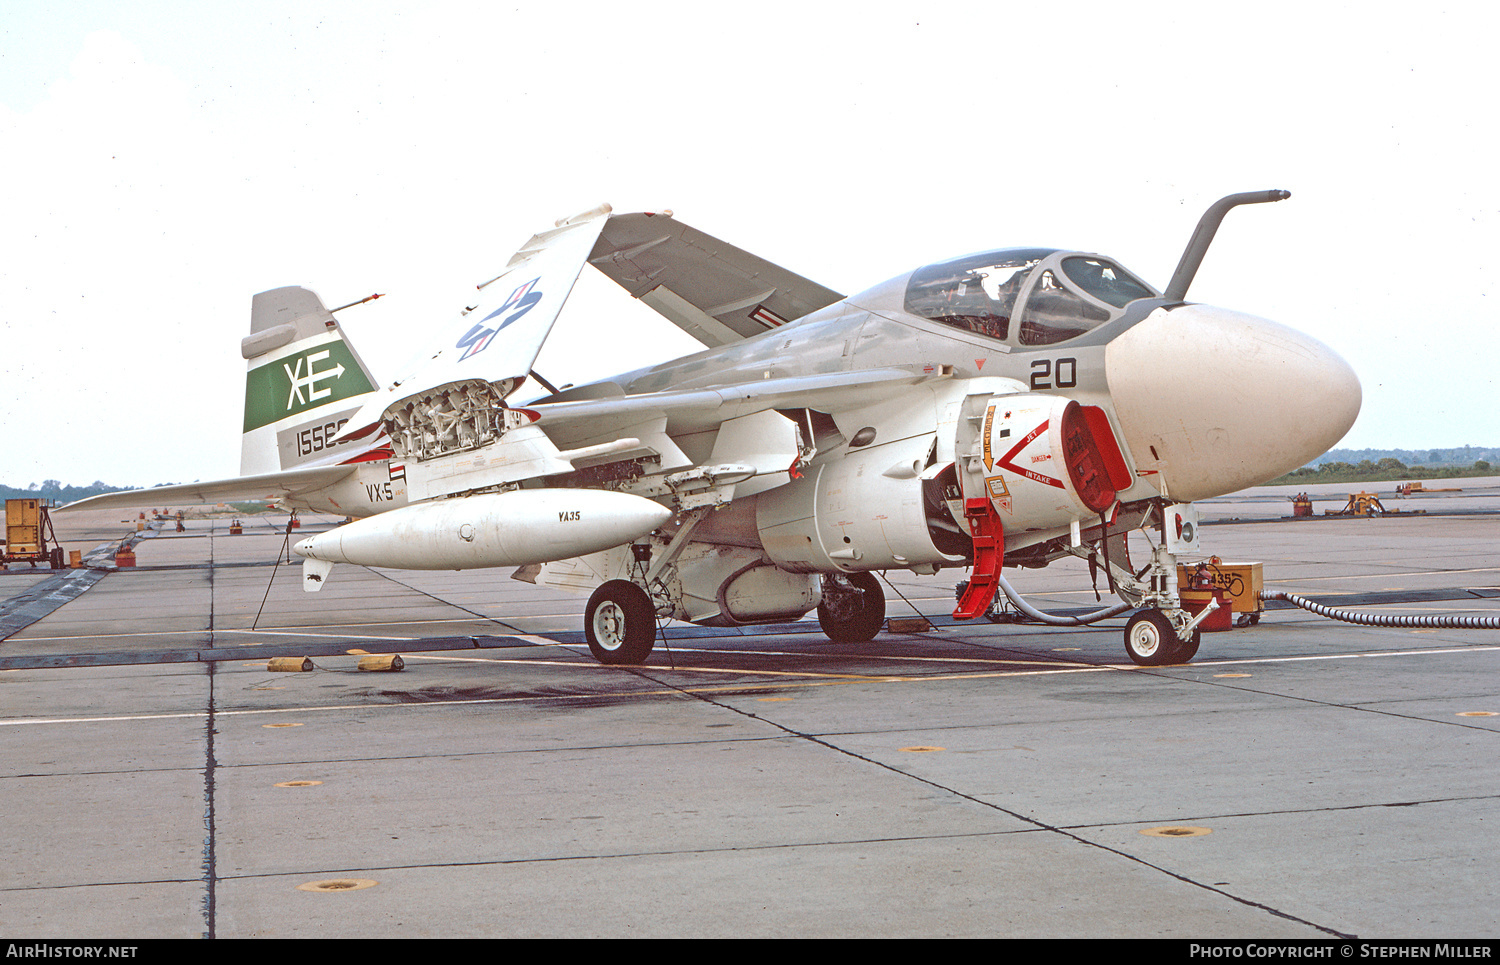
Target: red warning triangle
979,364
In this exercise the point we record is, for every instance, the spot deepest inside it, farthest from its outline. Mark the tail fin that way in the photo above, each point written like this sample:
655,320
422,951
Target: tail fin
304,382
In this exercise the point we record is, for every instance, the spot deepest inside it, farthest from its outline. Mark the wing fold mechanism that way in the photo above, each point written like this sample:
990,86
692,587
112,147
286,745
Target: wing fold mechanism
455,401
451,426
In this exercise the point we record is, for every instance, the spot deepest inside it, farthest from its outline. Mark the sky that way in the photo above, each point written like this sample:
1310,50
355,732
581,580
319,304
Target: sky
162,162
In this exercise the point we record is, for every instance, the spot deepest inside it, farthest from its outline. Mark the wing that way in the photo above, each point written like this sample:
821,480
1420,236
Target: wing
714,291
697,410
294,485
488,352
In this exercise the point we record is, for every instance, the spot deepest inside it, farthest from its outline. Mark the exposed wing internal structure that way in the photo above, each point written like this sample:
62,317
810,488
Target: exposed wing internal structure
489,351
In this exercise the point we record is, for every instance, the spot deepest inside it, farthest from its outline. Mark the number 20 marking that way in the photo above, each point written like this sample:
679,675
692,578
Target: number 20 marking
1045,376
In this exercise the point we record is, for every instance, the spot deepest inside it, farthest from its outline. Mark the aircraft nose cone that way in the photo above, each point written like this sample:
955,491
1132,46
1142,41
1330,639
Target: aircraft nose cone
1216,401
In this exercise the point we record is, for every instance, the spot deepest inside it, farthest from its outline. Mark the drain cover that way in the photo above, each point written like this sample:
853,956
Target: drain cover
1176,832
338,884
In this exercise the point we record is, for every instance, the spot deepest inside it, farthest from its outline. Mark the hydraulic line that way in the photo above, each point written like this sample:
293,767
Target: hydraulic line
1056,621
1385,619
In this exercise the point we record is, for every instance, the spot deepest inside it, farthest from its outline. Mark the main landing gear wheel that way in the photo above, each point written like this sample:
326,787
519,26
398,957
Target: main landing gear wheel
1151,640
620,623
853,607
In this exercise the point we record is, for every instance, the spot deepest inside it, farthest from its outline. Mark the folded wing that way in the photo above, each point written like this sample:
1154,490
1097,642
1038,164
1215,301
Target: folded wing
712,290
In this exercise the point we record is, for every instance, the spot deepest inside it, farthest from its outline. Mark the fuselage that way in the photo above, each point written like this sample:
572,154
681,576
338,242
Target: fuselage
1203,401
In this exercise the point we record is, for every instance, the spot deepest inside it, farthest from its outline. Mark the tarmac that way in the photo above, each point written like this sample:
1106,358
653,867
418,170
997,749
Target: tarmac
1300,779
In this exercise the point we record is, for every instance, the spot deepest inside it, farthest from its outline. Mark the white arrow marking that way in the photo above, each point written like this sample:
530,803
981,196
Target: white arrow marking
312,377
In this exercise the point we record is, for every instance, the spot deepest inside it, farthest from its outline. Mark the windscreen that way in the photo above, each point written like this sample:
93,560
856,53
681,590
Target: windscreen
976,293
1033,296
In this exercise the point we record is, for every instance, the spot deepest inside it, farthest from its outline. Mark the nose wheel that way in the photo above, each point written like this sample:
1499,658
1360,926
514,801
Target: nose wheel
1152,641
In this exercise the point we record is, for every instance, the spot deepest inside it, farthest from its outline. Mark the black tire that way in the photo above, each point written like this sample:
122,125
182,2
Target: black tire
852,613
620,623
1151,640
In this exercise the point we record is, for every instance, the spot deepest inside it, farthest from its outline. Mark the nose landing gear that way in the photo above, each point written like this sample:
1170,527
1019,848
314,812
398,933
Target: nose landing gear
1152,640
1164,633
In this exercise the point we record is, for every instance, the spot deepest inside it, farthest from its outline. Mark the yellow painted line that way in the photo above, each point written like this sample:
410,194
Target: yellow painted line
581,651
592,695
732,688
908,659
737,671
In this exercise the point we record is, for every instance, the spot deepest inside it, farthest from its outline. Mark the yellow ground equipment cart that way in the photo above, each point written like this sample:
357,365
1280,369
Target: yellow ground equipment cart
29,537
1239,583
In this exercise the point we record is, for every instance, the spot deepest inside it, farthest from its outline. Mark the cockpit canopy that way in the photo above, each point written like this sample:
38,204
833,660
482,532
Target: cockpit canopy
1053,295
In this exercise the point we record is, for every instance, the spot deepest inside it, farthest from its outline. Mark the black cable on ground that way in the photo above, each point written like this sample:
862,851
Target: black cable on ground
1385,619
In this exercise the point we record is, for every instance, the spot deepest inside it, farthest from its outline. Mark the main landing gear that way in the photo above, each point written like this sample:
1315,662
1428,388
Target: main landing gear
620,623
853,607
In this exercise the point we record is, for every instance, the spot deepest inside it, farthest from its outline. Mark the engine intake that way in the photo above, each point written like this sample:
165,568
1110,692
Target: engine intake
1043,461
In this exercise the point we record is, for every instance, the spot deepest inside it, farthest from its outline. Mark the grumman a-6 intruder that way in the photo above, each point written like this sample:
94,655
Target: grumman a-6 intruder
1012,406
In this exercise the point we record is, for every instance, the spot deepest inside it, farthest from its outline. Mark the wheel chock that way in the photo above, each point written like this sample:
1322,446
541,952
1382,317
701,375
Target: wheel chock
382,663
290,664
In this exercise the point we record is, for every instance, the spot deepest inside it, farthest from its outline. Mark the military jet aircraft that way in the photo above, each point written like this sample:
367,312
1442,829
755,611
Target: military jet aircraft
1008,407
